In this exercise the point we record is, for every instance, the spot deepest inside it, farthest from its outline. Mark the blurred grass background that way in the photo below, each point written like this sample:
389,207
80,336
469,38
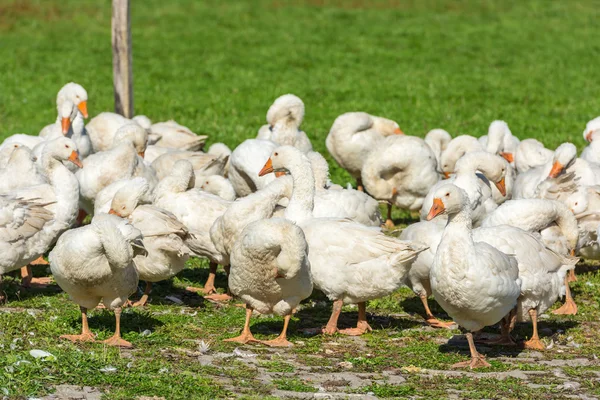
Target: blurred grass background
216,66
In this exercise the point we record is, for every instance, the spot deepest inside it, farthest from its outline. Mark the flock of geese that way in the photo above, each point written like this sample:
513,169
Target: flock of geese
503,221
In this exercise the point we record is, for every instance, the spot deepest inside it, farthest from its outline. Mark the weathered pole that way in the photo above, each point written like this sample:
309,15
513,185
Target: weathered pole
122,60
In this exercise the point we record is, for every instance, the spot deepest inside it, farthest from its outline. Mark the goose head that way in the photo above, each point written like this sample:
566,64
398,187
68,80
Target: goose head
590,128
492,166
143,121
577,202
496,133
62,149
448,199
75,93
133,133
283,159
564,156
286,110
21,154
181,179
386,127
127,198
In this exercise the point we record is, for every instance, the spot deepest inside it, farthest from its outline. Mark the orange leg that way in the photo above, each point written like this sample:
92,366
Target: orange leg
535,342
86,334
116,339
144,299
433,321
331,326
388,222
27,279
569,308
281,340
359,185
246,336
477,360
209,286
572,276
362,326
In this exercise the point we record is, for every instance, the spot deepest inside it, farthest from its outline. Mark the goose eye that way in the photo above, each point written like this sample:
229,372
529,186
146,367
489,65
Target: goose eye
122,208
447,194
576,203
16,145
66,146
276,154
206,182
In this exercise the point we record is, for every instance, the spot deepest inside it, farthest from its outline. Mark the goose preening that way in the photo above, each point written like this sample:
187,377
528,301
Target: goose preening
95,263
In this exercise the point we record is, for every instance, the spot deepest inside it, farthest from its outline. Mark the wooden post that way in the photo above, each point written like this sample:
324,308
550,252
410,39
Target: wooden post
122,60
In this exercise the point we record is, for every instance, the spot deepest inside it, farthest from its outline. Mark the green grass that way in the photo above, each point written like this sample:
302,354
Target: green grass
216,67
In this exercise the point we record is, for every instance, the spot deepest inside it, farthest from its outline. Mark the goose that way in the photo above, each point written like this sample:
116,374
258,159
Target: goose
492,170
585,204
6,153
552,220
163,236
257,206
352,137
458,147
176,136
530,154
270,272
103,128
34,216
77,94
217,185
95,263
205,164
350,262
145,123
197,210
122,161
284,118
500,140
401,170
438,140
590,128
222,151
564,161
106,195
460,265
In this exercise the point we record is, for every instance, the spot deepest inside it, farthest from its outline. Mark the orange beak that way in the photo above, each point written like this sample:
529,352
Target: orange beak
279,173
113,212
142,154
74,158
588,137
507,156
572,252
398,131
436,209
446,174
557,168
267,169
83,108
65,124
394,192
501,185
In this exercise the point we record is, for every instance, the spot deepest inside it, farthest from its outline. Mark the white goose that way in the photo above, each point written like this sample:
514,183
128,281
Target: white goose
270,272
591,153
203,163
438,140
401,170
20,171
458,147
475,283
217,185
284,118
531,153
163,235
591,127
175,136
353,136
350,263
501,141
34,216
95,263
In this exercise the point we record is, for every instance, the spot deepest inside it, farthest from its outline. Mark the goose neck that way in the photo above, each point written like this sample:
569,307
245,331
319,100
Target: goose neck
302,200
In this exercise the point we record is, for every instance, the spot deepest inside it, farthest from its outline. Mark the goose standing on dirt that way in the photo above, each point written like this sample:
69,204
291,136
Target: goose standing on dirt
353,136
270,272
95,263
350,262
475,283
163,236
